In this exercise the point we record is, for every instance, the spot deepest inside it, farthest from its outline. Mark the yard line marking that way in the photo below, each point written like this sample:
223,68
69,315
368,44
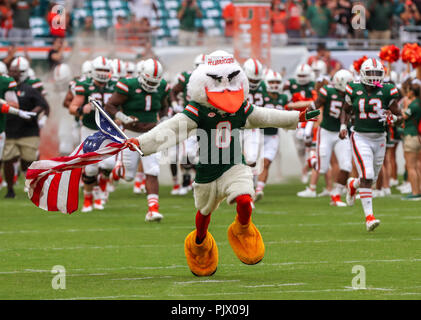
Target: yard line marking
204,281
142,278
222,265
106,297
275,285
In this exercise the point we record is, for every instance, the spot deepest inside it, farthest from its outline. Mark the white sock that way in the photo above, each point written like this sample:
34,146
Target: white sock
356,183
312,187
152,200
140,176
366,197
260,186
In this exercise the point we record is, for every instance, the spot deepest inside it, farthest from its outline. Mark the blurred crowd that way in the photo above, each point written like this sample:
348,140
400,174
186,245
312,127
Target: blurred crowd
290,19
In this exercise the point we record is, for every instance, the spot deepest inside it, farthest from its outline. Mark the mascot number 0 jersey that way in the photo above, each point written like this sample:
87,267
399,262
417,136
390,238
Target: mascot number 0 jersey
332,108
87,88
367,109
142,104
6,84
271,103
219,142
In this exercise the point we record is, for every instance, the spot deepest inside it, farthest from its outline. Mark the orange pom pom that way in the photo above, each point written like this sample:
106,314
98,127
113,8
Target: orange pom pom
390,53
411,53
357,63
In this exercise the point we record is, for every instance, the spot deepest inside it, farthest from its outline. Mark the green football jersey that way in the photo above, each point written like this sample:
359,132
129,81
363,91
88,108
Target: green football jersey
218,136
88,88
256,96
142,104
183,80
332,108
305,90
273,103
6,84
367,108
36,84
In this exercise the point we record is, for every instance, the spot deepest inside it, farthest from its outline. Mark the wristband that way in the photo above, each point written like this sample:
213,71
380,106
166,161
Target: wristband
174,104
343,127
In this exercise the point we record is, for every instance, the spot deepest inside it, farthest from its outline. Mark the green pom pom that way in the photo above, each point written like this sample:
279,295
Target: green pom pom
312,114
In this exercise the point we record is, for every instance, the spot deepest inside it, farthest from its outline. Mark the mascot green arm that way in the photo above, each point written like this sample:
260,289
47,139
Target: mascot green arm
167,134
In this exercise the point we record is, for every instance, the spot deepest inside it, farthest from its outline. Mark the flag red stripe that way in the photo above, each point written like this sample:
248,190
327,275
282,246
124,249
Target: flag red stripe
37,192
53,192
73,192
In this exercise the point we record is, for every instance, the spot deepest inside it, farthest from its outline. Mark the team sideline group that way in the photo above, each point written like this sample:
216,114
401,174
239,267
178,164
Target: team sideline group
362,115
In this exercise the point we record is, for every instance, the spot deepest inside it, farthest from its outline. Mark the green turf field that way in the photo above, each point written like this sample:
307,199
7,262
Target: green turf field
311,249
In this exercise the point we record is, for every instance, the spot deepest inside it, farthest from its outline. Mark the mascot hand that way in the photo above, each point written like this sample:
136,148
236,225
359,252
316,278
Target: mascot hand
132,143
309,115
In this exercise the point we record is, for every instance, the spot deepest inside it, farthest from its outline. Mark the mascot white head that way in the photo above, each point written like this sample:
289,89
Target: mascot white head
219,83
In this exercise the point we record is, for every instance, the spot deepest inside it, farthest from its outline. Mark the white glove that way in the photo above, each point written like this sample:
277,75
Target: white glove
176,107
42,121
26,114
124,118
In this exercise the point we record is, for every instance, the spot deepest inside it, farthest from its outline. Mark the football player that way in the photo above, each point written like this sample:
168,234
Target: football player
301,88
273,99
251,137
373,103
139,103
99,87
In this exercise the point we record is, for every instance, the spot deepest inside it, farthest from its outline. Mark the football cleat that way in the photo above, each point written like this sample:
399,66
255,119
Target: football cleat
87,204
183,191
153,215
258,196
175,189
351,192
99,204
336,201
324,193
371,222
307,193
393,182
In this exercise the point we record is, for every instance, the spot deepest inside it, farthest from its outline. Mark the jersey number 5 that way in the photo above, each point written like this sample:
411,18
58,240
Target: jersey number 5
335,109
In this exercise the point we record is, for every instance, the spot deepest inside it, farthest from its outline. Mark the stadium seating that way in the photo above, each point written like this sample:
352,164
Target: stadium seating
104,13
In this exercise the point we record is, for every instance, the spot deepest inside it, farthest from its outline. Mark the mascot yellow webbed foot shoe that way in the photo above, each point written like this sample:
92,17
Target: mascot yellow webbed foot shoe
246,241
202,258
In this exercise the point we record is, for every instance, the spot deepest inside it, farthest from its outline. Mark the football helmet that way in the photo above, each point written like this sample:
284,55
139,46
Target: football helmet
341,79
303,74
372,72
86,69
3,68
151,75
23,66
319,68
130,69
119,68
254,72
62,73
139,67
101,69
199,60
273,81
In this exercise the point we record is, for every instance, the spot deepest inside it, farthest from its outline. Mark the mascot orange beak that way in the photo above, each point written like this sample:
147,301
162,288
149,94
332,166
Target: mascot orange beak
227,100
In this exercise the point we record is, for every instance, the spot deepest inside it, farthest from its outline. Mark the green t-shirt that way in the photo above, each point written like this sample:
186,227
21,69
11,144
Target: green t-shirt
367,107
320,19
88,88
6,84
414,114
305,90
142,104
187,21
380,16
218,136
332,108
277,103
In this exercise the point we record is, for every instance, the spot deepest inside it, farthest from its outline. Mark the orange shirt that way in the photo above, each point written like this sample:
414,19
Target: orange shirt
228,13
278,21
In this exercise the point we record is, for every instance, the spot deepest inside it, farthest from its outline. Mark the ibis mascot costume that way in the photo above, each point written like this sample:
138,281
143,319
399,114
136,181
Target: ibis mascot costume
216,113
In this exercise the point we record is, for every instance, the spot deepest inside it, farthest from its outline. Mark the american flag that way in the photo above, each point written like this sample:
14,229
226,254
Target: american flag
54,184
